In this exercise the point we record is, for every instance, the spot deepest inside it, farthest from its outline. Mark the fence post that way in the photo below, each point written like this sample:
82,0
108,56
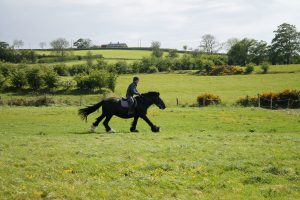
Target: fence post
177,101
288,105
258,100
271,104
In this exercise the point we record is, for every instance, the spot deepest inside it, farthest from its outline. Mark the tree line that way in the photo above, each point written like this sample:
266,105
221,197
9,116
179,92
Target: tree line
284,48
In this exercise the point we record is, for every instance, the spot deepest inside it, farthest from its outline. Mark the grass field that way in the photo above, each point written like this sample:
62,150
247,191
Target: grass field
210,153
218,152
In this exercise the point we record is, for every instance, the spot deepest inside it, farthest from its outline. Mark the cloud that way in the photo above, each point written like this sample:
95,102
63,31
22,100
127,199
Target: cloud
173,22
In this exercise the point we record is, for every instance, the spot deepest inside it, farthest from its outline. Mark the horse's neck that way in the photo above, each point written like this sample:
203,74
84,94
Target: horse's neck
147,103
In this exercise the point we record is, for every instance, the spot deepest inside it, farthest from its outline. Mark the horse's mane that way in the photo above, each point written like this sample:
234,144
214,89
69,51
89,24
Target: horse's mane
151,94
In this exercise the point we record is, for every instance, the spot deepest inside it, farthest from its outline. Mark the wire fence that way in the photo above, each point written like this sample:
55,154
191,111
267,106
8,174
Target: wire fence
273,103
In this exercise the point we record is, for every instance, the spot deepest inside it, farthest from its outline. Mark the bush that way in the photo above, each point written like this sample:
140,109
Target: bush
208,99
152,69
95,80
78,69
284,99
61,70
249,68
121,67
6,69
67,84
50,79
207,65
111,82
2,80
225,70
265,67
18,79
35,78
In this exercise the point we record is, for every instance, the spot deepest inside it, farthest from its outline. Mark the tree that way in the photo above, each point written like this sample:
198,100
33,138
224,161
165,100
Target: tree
18,79
285,44
258,52
4,45
239,53
156,51
173,53
89,59
35,78
60,45
51,79
229,43
42,44
83,43
209,44
18,44
185,47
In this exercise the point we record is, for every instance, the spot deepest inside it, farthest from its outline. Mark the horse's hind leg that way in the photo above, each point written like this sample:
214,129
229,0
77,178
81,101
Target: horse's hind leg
96,123
105,123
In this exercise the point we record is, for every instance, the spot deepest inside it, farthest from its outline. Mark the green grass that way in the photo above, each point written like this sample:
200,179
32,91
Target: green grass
293,68
210,153
186,87
218,152
127,54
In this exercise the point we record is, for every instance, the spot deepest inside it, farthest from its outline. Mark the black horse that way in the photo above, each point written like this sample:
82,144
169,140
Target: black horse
112,106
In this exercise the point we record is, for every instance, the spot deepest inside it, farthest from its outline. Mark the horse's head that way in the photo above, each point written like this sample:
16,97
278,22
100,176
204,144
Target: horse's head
155,98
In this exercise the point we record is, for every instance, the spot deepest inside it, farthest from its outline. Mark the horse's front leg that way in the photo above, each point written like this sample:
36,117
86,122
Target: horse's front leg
153,127
133,125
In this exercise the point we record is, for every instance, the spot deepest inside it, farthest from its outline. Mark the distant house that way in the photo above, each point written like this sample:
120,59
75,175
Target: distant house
115,45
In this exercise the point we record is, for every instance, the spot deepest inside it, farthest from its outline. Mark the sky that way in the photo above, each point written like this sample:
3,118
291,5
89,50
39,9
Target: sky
172,22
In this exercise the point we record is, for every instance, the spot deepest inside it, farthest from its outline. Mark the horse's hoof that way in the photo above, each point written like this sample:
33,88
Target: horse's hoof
93,129
111,131
133,130
155,129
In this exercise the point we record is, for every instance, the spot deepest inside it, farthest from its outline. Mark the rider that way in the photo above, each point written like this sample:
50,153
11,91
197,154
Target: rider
130,92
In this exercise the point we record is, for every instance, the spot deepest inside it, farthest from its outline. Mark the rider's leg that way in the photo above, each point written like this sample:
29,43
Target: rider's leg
130,105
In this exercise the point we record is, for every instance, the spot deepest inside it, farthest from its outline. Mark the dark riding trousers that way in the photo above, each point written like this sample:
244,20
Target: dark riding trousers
130,92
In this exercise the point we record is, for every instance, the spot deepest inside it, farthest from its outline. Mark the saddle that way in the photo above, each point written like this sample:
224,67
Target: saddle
125,103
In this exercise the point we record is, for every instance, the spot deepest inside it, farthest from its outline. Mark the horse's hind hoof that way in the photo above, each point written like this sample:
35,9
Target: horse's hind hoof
111,131
133,130
155,129
93,129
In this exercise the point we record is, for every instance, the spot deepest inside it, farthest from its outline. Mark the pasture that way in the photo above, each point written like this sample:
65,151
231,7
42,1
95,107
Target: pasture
216,152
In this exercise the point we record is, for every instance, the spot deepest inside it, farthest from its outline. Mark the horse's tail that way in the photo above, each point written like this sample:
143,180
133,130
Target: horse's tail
84,112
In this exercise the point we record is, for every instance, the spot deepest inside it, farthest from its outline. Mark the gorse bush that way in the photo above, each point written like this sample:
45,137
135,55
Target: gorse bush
208,99
284,99
224,70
